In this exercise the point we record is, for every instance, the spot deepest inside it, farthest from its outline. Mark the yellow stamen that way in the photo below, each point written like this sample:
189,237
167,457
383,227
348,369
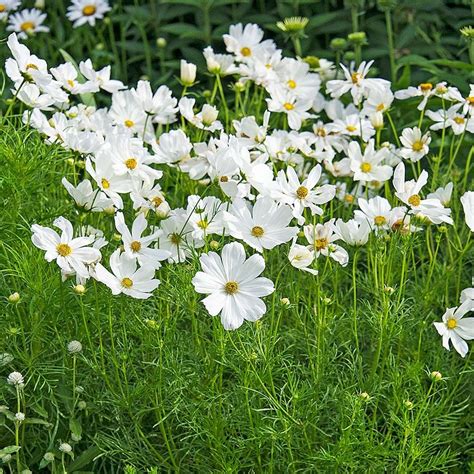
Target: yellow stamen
257,231
131,163
27,26
321,243
135,246
426,86
246,52
288,106
64,250
380,220
351,128
129,123
231,287
365,167
414,200
302,192
157,201
417,146
224,179
349,198
203,224
127,283
356,77
89,10
451,323
459,120
291,84
105,183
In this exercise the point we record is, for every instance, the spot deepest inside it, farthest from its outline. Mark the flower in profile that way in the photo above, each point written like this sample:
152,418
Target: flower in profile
27,23
187,73
71,254
233,285
126,277
205,120
301,258
293,24
81,12
457,329
467,201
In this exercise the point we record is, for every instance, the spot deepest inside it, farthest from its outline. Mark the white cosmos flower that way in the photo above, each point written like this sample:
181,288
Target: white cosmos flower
160,104
86,197
148,196
458,122
27,22
369,165
321,238
71,254
205,216
221,64
205,120
301,258
66,74
101,77
457,329
296,108
81,12
246,41
233,285
443,194
7,6
172,147
263,226
415,145
467,201
378,212
353,232
126,278
424,90
289,190
137,246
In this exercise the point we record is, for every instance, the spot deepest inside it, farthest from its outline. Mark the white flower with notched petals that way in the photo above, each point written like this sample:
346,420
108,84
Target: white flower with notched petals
415,145
205,216
301,258
296,108
233,285
81,12
246,41
136,245
443,194
453,118
126,278
457,329
205,120
172,147
71,254
424,90
263,226
66,74
220,64
353,232
161,105
368,166
101,77
86,197
378,212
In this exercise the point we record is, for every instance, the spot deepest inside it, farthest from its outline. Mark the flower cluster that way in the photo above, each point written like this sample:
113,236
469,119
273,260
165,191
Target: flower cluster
271,175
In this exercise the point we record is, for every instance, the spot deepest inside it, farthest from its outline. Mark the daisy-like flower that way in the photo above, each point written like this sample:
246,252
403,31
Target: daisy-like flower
160,104
289,190
424,90
86,197
353,232
467,201
205,216
138,246
101,78
321,238
246,41
219,64
66,74
27,23
172,147
301,257
453,118
356,82
457,329
205,120
7,6
296,108
368,166
262,227
126,277
377,212
81,12
233,284
71,254
415,145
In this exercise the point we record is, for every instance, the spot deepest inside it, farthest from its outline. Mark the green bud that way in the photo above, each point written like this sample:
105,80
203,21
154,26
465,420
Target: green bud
357,38
161,43
313,61
338,44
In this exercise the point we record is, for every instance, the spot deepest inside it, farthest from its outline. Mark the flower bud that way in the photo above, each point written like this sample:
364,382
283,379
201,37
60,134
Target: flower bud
188,73
338,44
436,376
358,37
19,417
285,301
79,289
161,43
82,405
14,297
214,244
65,448
408,404
365,396
376,119
209,114
48,456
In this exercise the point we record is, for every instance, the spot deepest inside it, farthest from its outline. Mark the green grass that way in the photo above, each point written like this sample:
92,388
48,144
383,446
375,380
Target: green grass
167,389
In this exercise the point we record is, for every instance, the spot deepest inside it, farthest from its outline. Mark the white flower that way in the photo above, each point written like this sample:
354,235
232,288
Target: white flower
458,122
289,190
137,246
467,201
205,120
377,212
369,165
101,78
301,257
71,254
246,42
457,329
321,238
356,82
424,90
27,22
415,145
8,6
187,73
15,378
74,347
65,448
353,232
296,108
222,64
172,147
233,285
262,227
126,278
87,11
442,194
86,197
19,416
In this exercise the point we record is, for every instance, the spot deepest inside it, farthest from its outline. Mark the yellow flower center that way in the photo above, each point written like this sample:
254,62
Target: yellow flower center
288,106
231,287
414,200
380,107
320,243
89,10
380,220
320,132
470,100
70,83
129,123
349,198
257,231
27,26
417,146
246,51
441,89
157,201
131,163
365,167
105,183
224,179
32,66
351,128
426,86
203,224
451,323
175,238
459,120
2,7
302,192
356,77
64,250
135,246
127,283
291,84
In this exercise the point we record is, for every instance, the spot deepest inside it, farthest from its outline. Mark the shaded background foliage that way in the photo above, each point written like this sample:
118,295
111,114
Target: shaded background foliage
426,34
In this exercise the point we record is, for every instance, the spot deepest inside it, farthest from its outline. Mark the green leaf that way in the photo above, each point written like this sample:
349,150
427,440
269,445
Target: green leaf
75,427
9,450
